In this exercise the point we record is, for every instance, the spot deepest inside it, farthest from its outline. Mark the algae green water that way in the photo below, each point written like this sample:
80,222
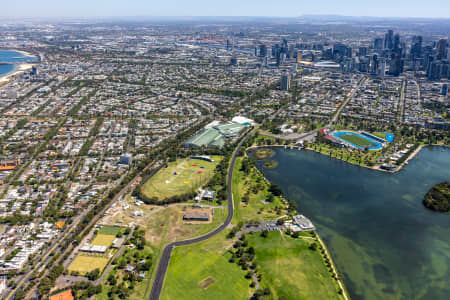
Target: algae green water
385,243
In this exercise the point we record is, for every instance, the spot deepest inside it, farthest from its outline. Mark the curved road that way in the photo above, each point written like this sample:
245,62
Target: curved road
167,252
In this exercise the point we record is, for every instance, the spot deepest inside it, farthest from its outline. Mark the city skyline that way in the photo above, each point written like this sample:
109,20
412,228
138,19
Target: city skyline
200,8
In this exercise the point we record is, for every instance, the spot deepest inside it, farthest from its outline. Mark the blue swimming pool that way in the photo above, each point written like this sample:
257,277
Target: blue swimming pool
375,145
389,137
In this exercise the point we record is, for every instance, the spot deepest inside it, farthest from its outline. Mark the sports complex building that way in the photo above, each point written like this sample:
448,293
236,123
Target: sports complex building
215,134
359,140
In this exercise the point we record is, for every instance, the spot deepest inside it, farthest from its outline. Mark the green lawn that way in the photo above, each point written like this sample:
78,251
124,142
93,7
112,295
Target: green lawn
111,230
255,209
190,266
84,263
103,240
353,157
290,269
357,140
190,175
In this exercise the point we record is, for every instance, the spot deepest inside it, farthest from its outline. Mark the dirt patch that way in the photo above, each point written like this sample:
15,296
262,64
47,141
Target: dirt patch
205,283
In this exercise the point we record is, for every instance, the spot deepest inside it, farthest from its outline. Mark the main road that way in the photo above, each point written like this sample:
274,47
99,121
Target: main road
46,257
167,252
344,104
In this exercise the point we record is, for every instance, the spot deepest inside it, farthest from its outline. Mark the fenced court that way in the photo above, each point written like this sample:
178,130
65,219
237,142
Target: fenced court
110,230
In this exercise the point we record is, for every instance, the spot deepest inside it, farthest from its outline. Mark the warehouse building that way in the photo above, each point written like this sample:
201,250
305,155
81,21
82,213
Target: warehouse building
196,216
216,135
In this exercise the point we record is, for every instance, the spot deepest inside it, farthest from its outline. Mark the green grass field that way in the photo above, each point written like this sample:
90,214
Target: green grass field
190,266
255,208
189,176
111,230
85,263
103,240
357,140
379,134
290,269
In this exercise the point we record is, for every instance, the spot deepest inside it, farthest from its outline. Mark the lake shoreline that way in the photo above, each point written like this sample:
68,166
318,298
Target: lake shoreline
353,218
375,168
340,281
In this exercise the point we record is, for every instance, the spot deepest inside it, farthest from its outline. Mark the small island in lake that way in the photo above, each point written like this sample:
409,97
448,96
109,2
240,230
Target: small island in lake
270,164
438,197
263,153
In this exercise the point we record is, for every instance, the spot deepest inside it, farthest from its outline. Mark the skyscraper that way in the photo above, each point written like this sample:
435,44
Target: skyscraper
389,40
434,70
416,48
362,51
442,49
382,69
278,57
341,50
397,41
396,64
285,82
374,65
263,50
378,44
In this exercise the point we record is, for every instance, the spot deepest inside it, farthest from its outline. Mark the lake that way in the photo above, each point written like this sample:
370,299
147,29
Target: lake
385,243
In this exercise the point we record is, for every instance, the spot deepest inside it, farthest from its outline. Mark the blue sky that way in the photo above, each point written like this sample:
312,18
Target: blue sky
282,8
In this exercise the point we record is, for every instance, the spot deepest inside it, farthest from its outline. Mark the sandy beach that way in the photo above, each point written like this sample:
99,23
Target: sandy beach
19,69
24,53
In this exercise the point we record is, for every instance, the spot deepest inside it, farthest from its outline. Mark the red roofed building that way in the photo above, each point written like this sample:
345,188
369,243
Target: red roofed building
66,295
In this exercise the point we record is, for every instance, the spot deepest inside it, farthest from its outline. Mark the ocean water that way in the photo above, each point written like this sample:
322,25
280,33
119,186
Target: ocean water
5,69
385,243
7,56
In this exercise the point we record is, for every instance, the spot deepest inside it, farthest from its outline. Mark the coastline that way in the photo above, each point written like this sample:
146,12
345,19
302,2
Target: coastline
334,268
18,68
375,168
5,79
23,52
413,170
322,243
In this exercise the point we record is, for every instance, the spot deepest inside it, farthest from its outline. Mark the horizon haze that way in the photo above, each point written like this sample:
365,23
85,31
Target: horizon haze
232,8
